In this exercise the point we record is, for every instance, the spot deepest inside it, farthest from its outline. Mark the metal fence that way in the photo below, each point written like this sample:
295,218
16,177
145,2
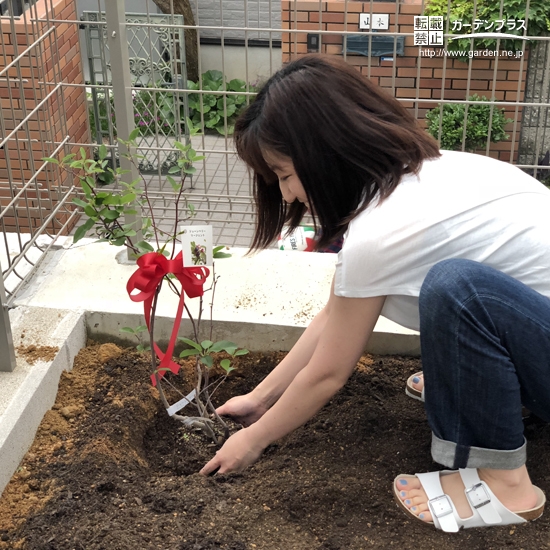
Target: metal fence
153,70
34,196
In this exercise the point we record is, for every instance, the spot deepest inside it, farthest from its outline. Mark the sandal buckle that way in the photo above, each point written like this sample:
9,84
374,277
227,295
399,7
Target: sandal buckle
441,506
478,495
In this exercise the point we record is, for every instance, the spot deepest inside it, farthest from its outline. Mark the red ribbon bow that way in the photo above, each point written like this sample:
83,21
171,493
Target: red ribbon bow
152,267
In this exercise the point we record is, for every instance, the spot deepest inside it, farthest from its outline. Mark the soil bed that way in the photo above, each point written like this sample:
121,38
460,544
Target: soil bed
110,470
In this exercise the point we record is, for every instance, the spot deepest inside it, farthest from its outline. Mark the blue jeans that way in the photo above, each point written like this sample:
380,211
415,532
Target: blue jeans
485,340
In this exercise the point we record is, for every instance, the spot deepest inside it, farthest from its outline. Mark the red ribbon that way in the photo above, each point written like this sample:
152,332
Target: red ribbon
152,268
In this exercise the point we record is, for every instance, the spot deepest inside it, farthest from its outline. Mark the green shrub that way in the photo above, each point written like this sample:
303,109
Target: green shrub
477,124
217,108
159,112
154,113
103,113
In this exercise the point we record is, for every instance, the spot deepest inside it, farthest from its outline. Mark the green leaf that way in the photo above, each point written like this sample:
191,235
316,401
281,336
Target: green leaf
144,245
189,170
80,202
129,197
191,343
50,159
83,153
206,344
68,157
174,170
224,345
183,148
207,360
175,185
241,352
86,188
102,152
111,215
225,364
90,211
121,241
130,330
82,230
221,255
133,134
189,352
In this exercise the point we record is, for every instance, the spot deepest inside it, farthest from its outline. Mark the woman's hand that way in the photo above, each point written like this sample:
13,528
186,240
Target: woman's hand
239,451
243,409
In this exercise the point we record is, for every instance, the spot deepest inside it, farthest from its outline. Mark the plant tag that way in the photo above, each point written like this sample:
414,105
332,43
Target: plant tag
181,404
196,244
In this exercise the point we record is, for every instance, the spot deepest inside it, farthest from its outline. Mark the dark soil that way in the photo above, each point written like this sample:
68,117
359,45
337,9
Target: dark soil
110,470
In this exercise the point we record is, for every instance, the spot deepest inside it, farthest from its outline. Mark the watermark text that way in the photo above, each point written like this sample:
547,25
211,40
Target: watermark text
442,52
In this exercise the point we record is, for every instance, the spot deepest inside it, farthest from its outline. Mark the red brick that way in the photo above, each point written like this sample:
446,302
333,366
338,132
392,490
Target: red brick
472,85
413,93
413,71
434,83
448,94
401,82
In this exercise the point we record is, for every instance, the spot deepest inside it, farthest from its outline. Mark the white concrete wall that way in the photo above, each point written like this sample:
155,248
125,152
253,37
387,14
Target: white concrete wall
132,6
239,13
262,62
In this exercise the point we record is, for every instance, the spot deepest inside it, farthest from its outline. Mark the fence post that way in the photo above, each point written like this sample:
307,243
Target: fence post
7,351
122,95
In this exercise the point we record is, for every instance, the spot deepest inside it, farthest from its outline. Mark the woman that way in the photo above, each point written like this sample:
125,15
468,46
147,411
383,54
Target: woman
452,244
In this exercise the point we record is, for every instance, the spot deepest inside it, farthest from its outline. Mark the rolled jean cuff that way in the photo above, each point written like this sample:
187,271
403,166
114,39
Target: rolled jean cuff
456,456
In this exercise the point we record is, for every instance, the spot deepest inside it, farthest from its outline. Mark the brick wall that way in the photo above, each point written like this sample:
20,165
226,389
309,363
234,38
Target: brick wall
409,76
55,59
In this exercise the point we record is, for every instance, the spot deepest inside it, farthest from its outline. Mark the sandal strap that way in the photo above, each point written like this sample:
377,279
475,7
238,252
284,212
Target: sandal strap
479,496
441,506
486,508
483,501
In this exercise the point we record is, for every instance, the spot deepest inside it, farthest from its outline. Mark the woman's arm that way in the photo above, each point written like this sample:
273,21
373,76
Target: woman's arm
249,408
342,339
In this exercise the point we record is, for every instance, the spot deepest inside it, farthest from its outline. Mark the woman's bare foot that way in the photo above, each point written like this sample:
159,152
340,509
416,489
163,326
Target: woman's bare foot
512,487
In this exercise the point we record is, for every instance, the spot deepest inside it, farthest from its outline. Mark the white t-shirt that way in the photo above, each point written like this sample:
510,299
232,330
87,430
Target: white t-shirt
460,205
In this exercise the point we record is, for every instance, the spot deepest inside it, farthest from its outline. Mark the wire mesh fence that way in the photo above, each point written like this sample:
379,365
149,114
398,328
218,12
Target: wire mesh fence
475,75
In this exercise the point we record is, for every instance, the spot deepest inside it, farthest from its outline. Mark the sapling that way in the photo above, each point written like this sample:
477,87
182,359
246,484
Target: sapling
104,208
137,332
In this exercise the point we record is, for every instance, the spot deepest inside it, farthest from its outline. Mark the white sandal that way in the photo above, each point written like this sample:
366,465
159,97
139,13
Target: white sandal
487,510
412,391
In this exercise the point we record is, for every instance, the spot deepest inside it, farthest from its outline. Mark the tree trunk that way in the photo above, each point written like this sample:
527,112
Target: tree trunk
183,7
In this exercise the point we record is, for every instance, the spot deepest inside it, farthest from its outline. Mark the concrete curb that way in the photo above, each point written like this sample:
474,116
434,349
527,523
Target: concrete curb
36,385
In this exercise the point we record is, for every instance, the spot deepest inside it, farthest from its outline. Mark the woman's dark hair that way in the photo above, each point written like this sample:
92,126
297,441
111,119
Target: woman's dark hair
349,141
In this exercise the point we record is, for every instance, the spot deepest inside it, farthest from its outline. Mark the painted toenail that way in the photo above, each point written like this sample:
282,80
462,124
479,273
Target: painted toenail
407,501
403,493
413,508
416,379
421,516
403,482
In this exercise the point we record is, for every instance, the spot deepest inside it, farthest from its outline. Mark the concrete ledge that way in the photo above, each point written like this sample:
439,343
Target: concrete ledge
30,390
387,339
